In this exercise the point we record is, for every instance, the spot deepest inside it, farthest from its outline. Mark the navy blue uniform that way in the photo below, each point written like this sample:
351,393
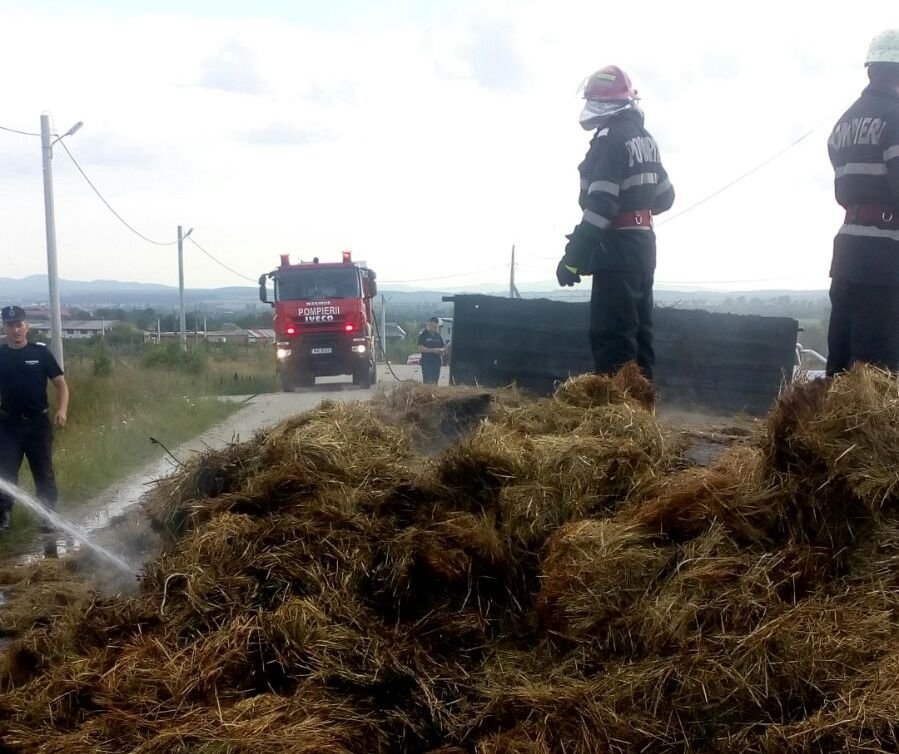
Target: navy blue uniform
623,184
25,429
864,292
430,362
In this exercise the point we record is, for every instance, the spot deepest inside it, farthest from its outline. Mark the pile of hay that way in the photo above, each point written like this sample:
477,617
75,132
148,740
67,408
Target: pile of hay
549,582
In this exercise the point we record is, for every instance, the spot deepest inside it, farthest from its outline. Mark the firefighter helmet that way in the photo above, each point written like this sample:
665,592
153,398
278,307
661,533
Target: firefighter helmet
884,48
609,84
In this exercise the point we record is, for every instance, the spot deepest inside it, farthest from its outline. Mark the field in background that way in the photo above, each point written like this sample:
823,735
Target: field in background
121,398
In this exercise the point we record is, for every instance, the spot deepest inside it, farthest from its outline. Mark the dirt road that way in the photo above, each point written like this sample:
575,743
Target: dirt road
256,413
261,411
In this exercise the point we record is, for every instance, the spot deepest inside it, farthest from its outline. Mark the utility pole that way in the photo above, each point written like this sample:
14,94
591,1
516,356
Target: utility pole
181,239
50,220
183,329
513,290
383,328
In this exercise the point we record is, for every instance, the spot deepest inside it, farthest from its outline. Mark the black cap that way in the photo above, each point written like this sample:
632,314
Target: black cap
13,314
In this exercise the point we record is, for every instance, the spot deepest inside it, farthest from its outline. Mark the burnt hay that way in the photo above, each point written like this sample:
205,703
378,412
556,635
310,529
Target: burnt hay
483,572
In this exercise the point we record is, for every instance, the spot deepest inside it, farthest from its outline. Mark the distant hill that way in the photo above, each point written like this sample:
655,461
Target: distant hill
35,286
32,290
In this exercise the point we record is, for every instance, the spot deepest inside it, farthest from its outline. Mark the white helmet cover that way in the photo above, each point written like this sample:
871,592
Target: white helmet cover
884,48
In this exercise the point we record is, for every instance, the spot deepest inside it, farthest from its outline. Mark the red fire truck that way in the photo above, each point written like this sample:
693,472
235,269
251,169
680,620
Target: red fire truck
323,320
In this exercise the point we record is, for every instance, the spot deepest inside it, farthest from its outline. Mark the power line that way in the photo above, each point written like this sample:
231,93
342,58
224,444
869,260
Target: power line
17,131
739,178
712,196
137,232
443,277
534,267
722,282
690,282
218,261
108,205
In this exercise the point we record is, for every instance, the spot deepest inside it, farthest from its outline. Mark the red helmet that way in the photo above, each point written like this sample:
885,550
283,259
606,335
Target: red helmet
609,84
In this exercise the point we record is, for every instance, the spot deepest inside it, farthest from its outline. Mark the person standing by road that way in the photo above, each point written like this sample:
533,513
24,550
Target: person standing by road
864,152
25,427
431,347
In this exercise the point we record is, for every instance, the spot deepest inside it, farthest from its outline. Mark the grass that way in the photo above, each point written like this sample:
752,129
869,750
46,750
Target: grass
113,415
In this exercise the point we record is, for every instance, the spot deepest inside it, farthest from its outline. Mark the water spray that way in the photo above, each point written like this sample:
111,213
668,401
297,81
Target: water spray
63,524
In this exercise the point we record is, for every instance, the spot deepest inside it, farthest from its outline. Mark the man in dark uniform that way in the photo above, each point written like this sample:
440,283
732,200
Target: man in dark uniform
431,346
864,151
25,428
623,184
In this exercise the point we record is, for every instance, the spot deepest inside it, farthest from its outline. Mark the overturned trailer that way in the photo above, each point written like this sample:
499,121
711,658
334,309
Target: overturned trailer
721,362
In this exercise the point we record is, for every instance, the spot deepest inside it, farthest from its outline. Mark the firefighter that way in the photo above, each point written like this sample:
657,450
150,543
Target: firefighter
623,184
25,428
864,151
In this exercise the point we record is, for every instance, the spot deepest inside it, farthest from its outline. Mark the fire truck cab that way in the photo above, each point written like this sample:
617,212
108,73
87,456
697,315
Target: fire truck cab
323,320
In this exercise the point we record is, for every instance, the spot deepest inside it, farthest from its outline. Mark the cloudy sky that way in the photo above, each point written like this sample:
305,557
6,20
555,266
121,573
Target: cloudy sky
427,136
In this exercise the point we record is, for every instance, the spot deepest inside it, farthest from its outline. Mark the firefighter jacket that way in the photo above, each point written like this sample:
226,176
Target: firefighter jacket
864,151
622,181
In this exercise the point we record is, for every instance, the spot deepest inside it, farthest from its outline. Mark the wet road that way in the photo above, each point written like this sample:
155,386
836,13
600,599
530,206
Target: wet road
256,412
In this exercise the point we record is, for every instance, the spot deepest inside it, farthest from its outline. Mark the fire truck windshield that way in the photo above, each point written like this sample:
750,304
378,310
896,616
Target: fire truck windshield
317,283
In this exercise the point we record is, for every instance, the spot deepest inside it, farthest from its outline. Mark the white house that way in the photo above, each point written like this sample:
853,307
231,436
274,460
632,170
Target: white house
77,329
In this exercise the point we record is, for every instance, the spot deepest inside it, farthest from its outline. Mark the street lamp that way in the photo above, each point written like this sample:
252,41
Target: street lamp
50,219
72,130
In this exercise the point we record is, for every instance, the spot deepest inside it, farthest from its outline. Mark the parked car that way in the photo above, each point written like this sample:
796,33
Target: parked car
810,365
414,359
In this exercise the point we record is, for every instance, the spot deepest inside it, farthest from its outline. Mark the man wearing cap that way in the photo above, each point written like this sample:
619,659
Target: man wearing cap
864,152
25,427
432,348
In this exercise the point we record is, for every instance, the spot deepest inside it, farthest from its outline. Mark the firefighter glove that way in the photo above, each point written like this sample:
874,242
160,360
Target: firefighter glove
567,274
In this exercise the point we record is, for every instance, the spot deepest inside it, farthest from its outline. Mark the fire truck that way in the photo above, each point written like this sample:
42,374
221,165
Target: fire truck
322,320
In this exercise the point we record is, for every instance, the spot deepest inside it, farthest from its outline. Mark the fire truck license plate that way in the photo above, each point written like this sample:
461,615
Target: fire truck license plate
317,351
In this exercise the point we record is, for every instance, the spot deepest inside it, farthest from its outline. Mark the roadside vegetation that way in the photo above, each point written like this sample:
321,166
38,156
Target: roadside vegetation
124,394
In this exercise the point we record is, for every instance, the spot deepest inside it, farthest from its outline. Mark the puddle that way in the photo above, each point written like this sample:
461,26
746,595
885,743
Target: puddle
53,547
125,498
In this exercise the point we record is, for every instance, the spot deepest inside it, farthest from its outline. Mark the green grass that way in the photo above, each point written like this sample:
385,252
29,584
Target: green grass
112,417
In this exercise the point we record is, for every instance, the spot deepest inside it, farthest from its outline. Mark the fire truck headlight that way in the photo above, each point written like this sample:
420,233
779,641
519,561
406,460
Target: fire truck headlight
358,349
282,353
